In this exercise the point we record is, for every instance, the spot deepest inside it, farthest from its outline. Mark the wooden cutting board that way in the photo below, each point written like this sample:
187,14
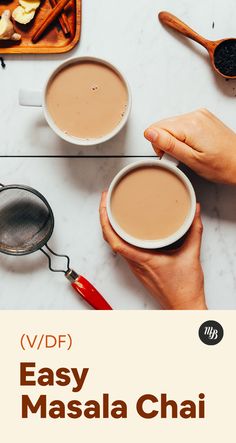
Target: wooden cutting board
53,41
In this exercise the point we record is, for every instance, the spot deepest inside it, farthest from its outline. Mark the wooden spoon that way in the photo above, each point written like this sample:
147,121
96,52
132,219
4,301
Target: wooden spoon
222,52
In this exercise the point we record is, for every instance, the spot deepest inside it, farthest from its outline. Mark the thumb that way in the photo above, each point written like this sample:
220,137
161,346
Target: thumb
164,141
194,238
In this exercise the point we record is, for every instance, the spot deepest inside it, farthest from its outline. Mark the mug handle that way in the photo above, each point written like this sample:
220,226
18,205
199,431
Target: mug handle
29,97
168,159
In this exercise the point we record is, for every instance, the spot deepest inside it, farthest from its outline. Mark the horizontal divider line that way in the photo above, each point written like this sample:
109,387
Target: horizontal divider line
78,156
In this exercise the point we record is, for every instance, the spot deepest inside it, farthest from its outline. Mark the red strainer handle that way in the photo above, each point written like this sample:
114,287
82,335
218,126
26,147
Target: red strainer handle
88,292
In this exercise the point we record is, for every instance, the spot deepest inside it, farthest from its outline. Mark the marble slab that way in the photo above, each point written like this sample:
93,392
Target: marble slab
168,74
73,188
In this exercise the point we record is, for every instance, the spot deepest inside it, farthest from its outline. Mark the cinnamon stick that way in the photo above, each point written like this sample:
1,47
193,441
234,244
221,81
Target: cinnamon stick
65,26
53,14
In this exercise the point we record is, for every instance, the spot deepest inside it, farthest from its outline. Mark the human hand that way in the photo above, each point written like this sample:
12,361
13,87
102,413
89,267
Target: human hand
175,278
201,141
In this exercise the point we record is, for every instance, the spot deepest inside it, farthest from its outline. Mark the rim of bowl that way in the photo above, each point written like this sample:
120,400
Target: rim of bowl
159,243
86,141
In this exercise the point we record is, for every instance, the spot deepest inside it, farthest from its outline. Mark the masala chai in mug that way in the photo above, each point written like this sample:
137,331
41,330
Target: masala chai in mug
151,204
87,99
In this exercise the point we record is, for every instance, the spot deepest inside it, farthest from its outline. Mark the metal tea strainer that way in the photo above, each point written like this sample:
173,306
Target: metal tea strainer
26,225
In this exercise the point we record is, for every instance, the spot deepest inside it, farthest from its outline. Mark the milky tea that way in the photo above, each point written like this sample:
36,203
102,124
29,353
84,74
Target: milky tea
87,99
150,203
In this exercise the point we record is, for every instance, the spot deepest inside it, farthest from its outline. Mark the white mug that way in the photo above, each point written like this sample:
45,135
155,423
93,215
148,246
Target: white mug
171,165
38,99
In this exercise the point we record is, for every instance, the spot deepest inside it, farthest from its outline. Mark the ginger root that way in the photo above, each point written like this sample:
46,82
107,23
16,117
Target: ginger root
7,31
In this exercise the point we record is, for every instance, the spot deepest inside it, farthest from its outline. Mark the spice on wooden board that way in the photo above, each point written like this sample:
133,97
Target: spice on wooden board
53,41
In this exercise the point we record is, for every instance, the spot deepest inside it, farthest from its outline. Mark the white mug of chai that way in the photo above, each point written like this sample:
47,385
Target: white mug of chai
86,100
151,204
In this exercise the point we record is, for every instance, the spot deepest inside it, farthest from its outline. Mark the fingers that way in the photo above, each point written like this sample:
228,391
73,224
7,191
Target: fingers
117,244
192,243
109,235
194,238
158,151
162,140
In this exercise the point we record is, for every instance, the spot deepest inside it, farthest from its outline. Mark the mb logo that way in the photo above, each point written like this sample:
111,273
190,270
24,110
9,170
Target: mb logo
211,333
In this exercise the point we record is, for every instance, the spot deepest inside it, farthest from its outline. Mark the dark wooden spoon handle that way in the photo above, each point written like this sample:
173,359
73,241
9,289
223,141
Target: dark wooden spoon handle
176,24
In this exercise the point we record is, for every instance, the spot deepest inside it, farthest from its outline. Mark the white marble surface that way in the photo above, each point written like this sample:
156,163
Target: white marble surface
168,75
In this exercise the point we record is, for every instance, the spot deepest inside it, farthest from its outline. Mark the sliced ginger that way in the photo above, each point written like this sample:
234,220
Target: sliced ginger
29,5
24,13
21,16
7,31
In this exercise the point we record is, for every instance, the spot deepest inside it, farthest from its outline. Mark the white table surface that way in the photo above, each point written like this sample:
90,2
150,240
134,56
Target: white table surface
168,75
